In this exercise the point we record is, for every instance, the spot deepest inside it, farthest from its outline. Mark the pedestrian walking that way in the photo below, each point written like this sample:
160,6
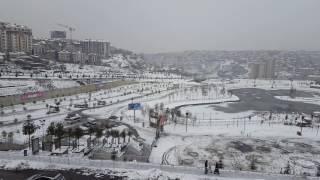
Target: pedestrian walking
216,169
206,167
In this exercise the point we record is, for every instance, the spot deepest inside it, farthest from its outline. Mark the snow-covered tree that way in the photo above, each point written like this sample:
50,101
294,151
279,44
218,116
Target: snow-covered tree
4,134
28,128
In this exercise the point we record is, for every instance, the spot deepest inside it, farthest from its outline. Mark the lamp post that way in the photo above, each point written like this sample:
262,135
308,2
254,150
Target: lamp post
187,114
134,112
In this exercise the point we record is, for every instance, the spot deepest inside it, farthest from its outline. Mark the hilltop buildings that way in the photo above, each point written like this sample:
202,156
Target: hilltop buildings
58,34
15,38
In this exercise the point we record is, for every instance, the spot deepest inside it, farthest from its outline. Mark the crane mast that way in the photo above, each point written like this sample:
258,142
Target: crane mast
69,28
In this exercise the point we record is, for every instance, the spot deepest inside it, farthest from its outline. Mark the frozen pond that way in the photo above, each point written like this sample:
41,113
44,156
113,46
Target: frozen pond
264,100
252,99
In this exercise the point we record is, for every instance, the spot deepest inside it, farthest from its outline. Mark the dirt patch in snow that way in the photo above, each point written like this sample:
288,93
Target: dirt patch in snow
243,147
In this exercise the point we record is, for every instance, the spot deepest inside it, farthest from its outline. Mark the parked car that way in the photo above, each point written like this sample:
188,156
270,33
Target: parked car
46,177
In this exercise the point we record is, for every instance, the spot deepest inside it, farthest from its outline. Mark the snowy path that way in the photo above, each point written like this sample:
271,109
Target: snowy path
80,162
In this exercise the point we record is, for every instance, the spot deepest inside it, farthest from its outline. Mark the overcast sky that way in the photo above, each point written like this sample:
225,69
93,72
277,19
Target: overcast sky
176,25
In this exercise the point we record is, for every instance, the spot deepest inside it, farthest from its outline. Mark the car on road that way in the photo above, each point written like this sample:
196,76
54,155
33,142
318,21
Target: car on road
81,105
91,119
73,118
46,177
92,123
86,125
53,109
84,128
89,124
102,103
113,117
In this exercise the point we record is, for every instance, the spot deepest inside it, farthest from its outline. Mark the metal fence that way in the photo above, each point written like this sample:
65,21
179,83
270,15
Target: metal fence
206,120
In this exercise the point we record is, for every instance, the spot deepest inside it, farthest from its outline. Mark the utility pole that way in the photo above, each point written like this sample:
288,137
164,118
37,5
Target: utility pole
302,119
187,114
244,125
134,112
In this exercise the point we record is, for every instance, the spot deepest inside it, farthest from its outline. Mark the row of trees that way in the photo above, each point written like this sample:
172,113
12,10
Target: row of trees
58,132
115,134
70,76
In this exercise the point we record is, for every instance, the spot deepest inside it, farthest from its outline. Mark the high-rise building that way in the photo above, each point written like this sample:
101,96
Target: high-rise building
100,48
262,70
254,71
15,38
270,69
58,34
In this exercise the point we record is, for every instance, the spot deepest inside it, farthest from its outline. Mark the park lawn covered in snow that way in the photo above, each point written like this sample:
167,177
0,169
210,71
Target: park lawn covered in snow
311,100
132,170
273,144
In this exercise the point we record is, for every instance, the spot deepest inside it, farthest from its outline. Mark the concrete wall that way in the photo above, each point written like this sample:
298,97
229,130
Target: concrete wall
17,99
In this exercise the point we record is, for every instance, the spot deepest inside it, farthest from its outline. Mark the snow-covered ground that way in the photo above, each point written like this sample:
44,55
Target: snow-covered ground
310,100
131,170
12,87
231,128
209,133
117,66
38,111
266,84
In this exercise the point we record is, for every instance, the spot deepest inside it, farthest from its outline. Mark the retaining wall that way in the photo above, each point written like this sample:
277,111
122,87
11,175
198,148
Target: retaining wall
38,96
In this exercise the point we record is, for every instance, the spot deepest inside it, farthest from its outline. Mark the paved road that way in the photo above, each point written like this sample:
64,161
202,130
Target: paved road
146,150
264,100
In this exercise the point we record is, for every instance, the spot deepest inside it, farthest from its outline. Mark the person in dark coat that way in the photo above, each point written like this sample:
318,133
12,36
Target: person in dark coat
206,167
216,169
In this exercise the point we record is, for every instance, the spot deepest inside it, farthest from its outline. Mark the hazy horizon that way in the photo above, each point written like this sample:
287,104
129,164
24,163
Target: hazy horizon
149,26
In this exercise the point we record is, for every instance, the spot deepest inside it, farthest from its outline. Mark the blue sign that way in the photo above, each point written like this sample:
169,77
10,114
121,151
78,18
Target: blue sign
134,106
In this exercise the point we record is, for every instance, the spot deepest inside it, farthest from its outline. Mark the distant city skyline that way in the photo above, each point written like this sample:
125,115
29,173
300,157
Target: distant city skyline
146,26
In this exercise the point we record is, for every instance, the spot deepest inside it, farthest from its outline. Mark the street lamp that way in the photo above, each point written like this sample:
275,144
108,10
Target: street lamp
187,114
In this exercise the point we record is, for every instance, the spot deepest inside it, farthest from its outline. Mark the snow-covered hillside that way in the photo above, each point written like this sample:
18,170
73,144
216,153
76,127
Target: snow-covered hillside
116,63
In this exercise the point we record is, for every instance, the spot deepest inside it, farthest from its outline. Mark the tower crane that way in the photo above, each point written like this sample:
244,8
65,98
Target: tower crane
70,43
71,29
